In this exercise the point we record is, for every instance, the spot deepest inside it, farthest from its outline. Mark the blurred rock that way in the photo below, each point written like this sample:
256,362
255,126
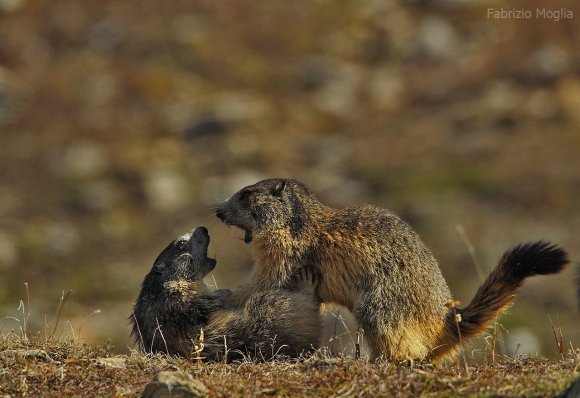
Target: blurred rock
115,224
8,92
8,250
502,96
387,89
339,95
240,106
5,105
175,385
10,5
28,353
401,27
167,190
61,238
205,125
82,159
322,363
106,35
549,61
191,29
100,89
437,37
9,202
542,105
46,237
112,362
242,145
313,73
569,94
573,391
98,195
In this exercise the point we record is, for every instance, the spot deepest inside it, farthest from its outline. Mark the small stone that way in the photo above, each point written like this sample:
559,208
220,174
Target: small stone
82,160
240,107
437,37
207,125
113,362
321,363
10,5
8,250
167,190
549,61
387,89
502,96
569,93
339,96
175,385
28,353
573,391
542,104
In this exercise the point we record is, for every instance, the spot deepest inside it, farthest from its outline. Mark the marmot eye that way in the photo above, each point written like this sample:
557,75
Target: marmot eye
180,244
245,195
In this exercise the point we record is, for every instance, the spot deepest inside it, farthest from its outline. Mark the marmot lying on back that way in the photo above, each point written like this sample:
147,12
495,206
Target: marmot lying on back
175,304
373,263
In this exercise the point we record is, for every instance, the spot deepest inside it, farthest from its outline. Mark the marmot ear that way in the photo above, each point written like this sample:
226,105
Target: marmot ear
278,188
158,267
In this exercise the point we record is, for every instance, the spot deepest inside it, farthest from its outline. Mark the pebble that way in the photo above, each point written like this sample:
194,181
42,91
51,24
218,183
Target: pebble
573,391
175,385
113,362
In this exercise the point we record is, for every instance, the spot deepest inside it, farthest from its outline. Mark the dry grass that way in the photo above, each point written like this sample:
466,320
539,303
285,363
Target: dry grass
53,363
51,368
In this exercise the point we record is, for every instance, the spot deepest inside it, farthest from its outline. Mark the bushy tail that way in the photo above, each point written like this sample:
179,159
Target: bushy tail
499,290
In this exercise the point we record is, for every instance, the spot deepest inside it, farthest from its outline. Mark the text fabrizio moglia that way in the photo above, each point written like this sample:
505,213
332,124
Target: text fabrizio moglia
523,13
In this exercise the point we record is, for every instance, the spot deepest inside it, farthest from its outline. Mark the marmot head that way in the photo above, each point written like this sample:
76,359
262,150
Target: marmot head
274,204
180,267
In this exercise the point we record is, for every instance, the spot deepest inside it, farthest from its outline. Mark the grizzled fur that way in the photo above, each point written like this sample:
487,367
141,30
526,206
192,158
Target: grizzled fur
174,305
375,264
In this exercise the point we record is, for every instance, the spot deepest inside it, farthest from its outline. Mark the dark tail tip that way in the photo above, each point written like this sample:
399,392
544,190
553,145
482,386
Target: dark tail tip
535,258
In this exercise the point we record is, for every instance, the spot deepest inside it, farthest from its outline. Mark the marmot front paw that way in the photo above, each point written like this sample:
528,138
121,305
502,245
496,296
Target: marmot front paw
307,280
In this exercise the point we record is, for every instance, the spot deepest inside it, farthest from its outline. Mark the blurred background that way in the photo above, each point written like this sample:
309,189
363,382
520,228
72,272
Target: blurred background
122,123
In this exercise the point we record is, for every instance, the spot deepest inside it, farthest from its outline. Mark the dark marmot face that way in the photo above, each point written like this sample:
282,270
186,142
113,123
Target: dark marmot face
180,265
273,203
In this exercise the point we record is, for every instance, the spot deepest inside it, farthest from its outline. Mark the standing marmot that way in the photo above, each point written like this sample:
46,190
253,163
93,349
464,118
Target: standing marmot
373,263
175,304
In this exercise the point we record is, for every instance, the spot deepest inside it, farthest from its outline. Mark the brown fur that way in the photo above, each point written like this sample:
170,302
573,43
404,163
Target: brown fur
373,263
175,305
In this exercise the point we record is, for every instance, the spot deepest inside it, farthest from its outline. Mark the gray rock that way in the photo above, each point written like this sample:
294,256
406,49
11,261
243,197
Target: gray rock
112,362
10,5
573,391
437,37
28,353
175,385
550,61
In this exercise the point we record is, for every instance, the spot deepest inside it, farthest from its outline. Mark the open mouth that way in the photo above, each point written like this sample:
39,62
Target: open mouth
248,236
212,262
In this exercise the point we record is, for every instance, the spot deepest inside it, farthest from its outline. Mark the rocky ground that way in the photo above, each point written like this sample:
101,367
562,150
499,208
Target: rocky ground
50,369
